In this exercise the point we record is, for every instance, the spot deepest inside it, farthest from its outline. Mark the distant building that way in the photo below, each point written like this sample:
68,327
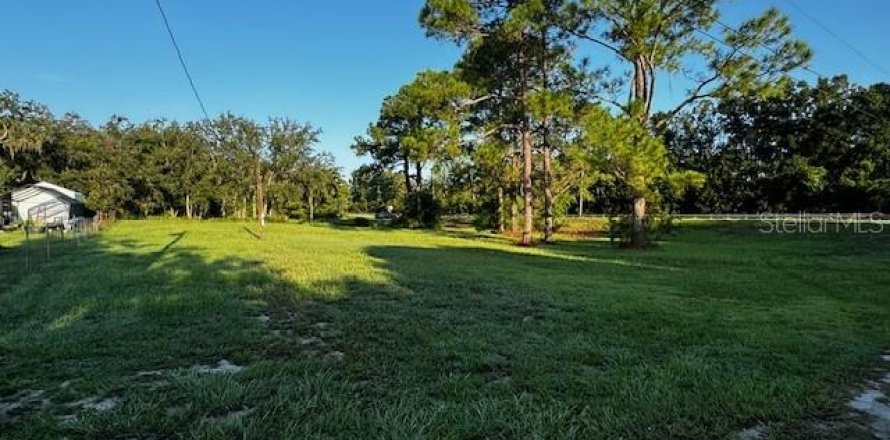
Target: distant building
46,204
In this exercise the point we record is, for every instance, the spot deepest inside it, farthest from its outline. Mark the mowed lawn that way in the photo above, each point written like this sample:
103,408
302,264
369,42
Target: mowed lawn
363,333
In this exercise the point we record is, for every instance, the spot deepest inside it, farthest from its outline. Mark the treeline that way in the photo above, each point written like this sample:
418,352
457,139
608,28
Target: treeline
230,166
550,111
820,148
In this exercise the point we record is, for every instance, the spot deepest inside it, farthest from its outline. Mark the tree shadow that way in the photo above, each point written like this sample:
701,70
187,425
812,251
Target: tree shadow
468,339
581,322
89,320
251,233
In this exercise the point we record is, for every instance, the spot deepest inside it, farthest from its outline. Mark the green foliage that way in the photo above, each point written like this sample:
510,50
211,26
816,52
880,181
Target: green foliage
813,148
24,125
625,149
657,227
159,167
418,126
362,222
450,18
675,36
653,36
373,188
538,95
425,212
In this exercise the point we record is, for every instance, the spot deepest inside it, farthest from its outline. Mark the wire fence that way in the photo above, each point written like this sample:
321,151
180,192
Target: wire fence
766,216
31,249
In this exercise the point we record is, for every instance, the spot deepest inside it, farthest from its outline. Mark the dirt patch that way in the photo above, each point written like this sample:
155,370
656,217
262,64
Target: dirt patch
36,401
314,339
308,340
873,403
868,417
22,403
221,367
754,433
96,403
335,356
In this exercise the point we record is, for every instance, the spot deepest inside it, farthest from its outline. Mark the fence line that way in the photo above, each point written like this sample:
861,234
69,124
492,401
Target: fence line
848,216
42,244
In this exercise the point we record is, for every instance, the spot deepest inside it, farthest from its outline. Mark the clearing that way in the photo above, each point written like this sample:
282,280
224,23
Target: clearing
176,329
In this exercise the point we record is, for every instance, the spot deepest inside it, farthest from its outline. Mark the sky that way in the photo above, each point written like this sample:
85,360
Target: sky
329,63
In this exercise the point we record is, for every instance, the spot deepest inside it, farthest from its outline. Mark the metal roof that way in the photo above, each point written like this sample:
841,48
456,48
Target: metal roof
68,195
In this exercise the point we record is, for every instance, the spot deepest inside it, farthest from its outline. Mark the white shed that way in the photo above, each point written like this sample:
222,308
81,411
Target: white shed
45,203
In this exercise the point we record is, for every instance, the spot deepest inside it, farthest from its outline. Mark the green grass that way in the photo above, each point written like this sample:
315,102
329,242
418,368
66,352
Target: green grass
442,335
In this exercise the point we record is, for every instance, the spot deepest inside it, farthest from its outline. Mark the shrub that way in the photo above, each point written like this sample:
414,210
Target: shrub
361,222
657,227
429,216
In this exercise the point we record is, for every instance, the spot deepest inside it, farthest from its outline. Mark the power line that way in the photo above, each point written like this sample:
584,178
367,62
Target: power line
837,37
776,52
185,69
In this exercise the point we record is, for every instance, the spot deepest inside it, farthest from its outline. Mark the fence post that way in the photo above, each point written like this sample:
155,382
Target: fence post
27,249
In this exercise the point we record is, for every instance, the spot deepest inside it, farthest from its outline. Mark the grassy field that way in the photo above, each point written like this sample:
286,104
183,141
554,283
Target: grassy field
357,333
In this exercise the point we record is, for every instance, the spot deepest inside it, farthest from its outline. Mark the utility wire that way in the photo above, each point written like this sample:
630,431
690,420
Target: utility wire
775,51
837,37
181,60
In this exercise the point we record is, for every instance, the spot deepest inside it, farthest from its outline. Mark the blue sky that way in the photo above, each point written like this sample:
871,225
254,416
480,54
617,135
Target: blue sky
326,62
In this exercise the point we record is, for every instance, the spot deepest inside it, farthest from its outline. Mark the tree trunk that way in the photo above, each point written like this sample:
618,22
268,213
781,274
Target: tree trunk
528,213
260,199
311,206
500,213
581,197
514,209
546,148
638,237
418,189
642,92
548,194
406,170
514,218
188,206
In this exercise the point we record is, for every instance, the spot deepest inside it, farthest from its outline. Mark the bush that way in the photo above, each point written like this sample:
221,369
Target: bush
657,227
361,222
430,214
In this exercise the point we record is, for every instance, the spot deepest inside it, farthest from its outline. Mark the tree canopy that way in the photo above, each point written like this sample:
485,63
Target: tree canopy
537,115
219,167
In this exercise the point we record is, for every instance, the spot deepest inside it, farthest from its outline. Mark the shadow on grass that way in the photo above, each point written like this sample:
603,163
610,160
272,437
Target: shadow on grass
666,345
458,340
251,233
